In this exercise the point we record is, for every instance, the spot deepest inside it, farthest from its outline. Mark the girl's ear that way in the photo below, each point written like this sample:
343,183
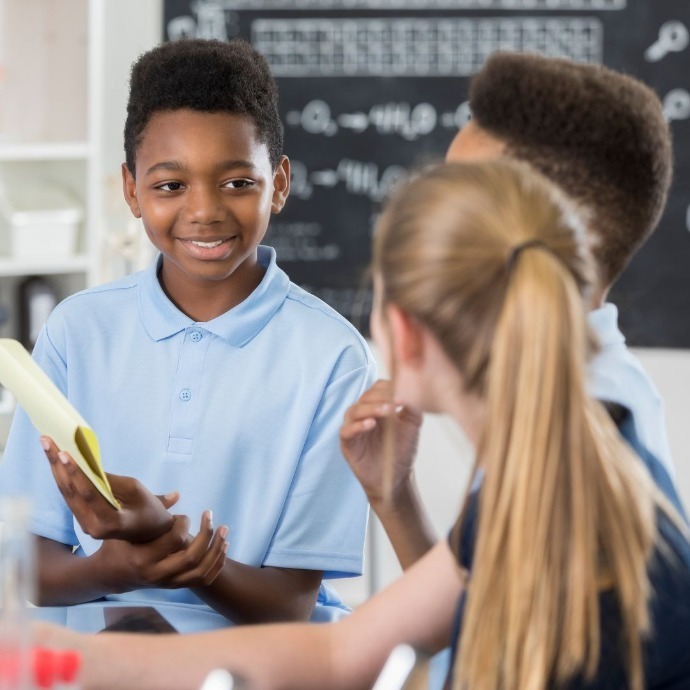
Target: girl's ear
407,336
129,189
281,185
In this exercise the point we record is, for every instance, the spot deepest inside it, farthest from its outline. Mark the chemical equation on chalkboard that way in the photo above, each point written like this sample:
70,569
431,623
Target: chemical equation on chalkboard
403,119
407,47
359,178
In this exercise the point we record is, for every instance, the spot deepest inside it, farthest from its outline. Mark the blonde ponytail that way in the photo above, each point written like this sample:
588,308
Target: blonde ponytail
491,258
562,515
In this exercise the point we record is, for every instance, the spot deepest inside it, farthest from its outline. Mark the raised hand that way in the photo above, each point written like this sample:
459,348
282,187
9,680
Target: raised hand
143,516
362,439
173,560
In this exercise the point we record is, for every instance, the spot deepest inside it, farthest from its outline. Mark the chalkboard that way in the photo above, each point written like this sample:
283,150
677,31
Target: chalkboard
372,88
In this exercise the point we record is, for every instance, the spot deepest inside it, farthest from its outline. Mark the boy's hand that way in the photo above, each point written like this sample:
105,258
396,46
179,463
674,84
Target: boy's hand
143,516
173,560
362,438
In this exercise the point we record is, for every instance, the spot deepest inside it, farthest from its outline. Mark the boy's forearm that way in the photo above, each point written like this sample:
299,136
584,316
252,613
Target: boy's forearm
245,594
65,579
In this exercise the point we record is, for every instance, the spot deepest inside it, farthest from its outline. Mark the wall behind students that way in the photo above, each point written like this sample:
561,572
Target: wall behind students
131,27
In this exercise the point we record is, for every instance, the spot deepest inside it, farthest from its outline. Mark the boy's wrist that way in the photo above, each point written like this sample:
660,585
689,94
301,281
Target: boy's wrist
103,574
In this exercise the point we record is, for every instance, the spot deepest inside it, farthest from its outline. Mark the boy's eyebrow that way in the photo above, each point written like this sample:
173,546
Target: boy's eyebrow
222,166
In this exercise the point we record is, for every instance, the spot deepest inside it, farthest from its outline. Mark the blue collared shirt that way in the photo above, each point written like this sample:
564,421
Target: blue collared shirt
615,375
241,414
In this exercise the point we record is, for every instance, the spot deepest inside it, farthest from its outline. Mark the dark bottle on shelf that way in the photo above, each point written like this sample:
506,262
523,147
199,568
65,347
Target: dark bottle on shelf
36,300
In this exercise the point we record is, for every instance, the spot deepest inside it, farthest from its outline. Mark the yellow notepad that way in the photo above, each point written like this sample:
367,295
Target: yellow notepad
51,413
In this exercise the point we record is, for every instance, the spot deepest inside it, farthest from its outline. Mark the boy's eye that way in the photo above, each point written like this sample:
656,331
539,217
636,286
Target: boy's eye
170,186
239,183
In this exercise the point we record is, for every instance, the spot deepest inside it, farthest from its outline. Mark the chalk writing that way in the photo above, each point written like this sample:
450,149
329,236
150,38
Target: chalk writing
360,178
398,118
299,241
403,47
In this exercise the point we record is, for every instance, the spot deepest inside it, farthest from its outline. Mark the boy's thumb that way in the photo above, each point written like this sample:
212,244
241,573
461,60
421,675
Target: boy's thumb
169,500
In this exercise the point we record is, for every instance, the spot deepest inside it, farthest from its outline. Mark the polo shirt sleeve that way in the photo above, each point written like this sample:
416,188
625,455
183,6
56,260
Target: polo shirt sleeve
323,522
24,470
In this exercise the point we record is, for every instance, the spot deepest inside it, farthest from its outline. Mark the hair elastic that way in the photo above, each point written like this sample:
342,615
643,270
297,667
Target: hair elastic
518,248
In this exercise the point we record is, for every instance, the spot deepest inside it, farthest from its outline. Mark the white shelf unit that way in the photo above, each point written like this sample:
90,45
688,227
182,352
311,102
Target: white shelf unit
42,151
51,104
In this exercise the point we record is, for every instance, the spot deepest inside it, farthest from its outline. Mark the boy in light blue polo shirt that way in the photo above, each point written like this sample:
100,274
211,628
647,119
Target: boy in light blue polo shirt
210,373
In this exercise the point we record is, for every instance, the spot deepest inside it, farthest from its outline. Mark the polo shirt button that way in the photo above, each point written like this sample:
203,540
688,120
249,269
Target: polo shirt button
185,394
196,336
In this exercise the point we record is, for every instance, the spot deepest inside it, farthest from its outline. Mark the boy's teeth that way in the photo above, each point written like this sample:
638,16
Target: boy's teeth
208,245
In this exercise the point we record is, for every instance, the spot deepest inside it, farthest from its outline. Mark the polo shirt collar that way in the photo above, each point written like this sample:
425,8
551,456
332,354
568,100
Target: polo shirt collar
604,322
162,319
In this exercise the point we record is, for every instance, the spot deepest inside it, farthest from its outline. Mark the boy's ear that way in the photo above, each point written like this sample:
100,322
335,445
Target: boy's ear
129,189
281,185
407,337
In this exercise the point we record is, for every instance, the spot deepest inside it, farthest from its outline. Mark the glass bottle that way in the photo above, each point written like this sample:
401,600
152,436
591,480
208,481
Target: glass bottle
16,590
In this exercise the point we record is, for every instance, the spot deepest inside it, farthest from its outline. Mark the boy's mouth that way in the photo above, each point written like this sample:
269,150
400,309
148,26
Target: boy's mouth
207,245
209,250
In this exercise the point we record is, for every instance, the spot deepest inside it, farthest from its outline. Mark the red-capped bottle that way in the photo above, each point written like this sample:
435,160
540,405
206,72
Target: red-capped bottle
69,670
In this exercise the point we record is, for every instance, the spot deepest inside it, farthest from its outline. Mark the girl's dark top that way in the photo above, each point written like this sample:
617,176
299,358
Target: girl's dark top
667,650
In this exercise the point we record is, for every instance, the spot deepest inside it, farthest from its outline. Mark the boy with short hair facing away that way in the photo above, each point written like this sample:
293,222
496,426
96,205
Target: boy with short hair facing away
210,373
603,138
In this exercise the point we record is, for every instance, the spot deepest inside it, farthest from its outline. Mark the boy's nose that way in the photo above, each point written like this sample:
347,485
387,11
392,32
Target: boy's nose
203,205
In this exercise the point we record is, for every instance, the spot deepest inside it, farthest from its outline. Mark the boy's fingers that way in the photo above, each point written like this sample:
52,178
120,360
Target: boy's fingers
65,487
169,500
203,542
166,546
78,481
218,551
49,448
177,536
69,464
207,558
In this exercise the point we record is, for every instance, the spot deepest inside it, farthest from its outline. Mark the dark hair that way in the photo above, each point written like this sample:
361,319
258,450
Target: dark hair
599,134
208,76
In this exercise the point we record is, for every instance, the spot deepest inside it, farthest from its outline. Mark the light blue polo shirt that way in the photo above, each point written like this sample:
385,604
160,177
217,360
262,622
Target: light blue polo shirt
615,375
241,414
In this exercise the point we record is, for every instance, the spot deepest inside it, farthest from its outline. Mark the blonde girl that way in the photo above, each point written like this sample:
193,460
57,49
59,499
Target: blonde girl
569,566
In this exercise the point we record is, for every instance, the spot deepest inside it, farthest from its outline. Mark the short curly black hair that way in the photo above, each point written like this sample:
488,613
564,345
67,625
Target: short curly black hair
599,134
208,76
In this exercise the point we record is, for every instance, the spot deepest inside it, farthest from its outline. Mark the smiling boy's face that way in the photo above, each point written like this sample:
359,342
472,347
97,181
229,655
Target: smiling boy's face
205,190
